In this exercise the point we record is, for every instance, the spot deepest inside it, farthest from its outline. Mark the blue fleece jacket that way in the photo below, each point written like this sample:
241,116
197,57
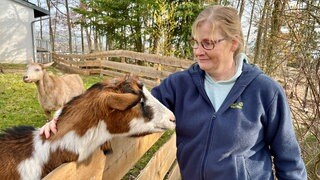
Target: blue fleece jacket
239,140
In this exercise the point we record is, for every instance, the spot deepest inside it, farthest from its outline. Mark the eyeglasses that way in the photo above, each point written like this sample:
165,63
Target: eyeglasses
206,44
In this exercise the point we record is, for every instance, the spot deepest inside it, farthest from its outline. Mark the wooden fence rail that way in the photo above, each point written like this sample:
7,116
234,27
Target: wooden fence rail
151,68
126,151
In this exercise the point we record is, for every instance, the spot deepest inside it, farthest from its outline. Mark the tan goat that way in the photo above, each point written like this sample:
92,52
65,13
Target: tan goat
53,91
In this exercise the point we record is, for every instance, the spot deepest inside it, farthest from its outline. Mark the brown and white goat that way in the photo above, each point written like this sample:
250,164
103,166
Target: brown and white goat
111,108
53,91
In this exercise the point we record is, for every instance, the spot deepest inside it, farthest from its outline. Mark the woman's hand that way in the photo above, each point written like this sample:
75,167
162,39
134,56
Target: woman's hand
49,127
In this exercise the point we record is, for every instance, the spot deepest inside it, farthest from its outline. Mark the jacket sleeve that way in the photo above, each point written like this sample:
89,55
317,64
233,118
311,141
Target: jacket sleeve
282,141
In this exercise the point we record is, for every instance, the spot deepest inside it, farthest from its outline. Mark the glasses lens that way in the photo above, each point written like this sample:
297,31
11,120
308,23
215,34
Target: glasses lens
207,44
194,44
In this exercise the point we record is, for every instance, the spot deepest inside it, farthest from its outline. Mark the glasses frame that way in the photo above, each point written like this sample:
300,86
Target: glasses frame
194,42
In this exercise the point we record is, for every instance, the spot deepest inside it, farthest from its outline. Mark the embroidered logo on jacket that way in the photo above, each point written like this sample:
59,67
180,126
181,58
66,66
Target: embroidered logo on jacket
237,105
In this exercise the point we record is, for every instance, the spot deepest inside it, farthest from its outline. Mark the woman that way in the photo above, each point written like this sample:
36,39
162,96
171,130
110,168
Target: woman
233,121
231,118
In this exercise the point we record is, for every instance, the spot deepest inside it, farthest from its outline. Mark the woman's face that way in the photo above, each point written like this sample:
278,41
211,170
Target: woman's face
217,62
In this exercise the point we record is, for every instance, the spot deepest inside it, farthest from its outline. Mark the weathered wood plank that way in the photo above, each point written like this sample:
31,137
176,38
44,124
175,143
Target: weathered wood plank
139,70
174,173
153,58
161,161
126,152
118,66
149,83
71,69
92,168
67,170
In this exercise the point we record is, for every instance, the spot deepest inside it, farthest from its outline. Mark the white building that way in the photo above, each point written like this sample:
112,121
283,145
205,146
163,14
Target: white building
17,43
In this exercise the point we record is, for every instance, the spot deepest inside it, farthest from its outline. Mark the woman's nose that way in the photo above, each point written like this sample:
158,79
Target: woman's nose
198,51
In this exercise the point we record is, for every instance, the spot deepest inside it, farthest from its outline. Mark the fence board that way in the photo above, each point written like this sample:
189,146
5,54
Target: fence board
147,82
71,69
153,58
92,168
174,173
161,162
126,152
139,70
98,63
63,172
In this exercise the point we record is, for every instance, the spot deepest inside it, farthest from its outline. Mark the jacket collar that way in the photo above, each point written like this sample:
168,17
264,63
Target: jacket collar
249,73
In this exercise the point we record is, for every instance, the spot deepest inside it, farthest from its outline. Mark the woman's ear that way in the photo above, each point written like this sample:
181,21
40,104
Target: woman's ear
235,44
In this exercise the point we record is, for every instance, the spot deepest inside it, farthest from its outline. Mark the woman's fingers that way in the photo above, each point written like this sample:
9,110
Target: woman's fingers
48,128
53,126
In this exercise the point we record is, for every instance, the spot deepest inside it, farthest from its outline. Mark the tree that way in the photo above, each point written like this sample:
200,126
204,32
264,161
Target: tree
276,23
51,34
250,25
69,26
302,23
262,25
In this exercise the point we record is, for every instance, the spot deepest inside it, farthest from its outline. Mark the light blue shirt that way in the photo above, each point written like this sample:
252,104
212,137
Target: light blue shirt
217,91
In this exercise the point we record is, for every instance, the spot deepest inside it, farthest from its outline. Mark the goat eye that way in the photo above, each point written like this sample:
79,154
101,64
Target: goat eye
37,70
142,103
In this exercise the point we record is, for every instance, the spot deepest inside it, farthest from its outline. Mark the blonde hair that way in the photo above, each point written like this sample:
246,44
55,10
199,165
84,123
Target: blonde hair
225,19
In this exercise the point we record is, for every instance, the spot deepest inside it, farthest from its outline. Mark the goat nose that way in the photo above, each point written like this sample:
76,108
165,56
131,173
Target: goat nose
172,118
25,77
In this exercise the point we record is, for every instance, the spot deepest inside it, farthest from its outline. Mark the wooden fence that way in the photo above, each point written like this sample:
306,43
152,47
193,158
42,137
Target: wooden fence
151,68
126,151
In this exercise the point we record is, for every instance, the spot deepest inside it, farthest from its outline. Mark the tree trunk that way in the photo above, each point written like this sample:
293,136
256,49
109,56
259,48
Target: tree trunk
250,24
95,40
69,26
50,28
83,19
82,39
261,27
243,2
88,35
275,30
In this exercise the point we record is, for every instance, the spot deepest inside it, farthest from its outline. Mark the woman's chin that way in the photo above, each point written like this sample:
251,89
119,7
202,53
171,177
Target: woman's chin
205,66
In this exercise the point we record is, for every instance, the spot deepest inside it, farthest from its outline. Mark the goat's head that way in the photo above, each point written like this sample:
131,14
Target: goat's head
136,109
34,72
125,105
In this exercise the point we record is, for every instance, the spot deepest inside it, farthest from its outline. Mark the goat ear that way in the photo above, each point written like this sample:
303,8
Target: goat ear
128,76
122,101
47,64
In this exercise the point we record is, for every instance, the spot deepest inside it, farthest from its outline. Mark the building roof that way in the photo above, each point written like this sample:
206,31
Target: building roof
38,11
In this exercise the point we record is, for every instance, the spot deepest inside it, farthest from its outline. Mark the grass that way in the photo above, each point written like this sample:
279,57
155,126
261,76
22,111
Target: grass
19,104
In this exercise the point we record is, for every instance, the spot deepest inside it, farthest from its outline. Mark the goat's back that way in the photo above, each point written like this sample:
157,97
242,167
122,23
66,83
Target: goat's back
74,84
59,90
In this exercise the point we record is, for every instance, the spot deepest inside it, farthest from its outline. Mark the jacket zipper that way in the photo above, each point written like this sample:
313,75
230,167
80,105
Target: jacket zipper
204,160
202,171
